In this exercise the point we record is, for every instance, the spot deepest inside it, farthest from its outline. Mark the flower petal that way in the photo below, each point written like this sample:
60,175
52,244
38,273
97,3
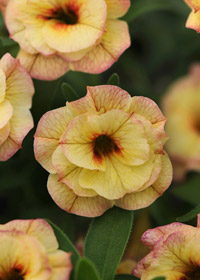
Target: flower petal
2,85
50,128
117,180
107,51
194,4
117,8
70,38
144,198
37,228
6,112
20,124
147,108
69,173
8,149
108,97
65,198
43,67
61,265
193,21
4,133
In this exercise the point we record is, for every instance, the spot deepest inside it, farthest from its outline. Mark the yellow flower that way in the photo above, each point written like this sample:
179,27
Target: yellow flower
175,253
16,91
102,150
181,106
193,20
29,250
58,35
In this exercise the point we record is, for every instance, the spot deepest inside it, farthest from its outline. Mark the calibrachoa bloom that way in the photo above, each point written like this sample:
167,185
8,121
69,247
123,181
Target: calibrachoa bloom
102,150
29,250
175,253
193,20
15,101
182,107
59,35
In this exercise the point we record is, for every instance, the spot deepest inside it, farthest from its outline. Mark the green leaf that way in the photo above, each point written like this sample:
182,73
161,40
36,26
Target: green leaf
69,93
85,270
106,240
64,243
114,80
1,48
125,277
190,215
189,191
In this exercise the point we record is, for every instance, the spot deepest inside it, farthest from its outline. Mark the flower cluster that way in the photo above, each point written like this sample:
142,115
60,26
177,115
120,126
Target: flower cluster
56,36
175,253
29,250
181,106
102,150
15,101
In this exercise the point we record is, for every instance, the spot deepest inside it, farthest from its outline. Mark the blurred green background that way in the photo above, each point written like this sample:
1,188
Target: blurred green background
162,50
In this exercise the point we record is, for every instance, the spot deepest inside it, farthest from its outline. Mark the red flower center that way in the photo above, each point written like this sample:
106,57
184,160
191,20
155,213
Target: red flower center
68,16
104,145
13,274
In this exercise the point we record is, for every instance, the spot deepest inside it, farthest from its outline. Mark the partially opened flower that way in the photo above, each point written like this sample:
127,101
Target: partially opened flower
15,101
102,150
193,20
29,250
56,36
175,253
181,106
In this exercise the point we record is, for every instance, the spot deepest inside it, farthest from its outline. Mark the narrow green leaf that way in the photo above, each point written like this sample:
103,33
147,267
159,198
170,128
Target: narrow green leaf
106,240
64,243
190,215
189,191
85,270
114,80
69,93
125,277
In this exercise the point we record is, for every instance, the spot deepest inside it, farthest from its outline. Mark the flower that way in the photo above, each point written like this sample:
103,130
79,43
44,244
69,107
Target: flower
56,36
29,250
102,150
193,20
15,101
175,253
181,106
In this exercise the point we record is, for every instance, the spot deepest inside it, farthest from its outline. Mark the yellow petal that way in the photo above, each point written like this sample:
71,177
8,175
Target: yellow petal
65,198
37,228
8,149
144,198
4,132
117,180
194,4
117,8
69,173
133,142
50,129
61,265
2,85
20,124
107,51
147,108
6,111
193,21
43,67
109,97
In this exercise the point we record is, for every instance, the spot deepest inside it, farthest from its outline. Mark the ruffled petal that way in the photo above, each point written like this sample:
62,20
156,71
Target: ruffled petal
65,198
